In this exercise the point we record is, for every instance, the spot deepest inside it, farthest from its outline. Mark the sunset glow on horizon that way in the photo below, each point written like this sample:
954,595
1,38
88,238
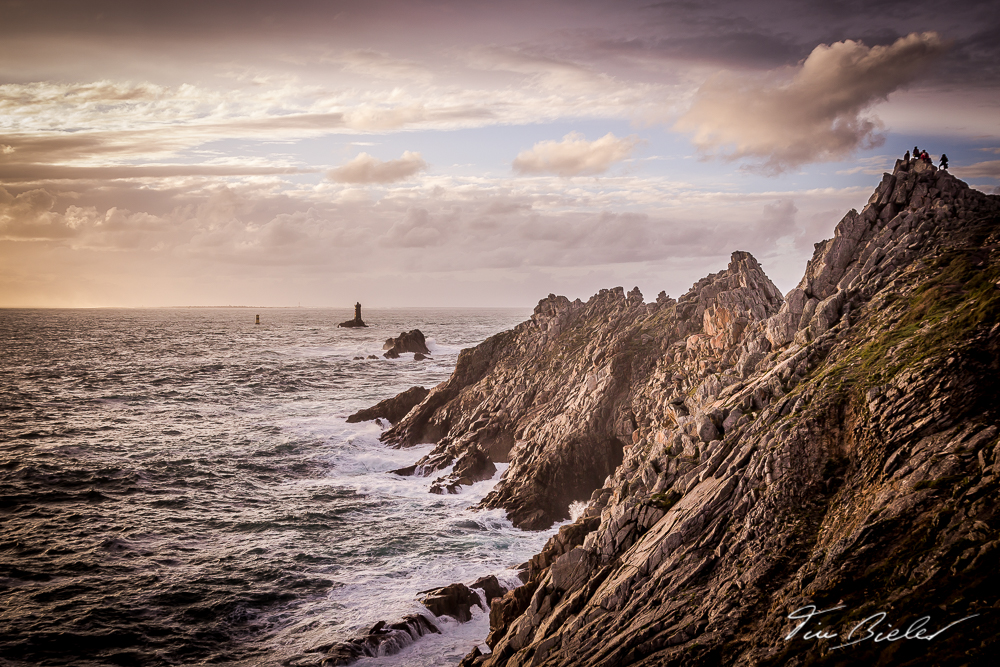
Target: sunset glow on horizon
438,153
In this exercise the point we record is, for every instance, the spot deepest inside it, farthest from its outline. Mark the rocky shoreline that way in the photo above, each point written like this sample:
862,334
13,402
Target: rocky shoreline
744,454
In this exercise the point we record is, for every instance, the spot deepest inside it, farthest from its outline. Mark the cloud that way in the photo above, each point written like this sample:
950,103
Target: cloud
29,216
778,220
817,114
990,169
367,169
21,172
734,48
375,63
416,230
875,165
207,240
574,155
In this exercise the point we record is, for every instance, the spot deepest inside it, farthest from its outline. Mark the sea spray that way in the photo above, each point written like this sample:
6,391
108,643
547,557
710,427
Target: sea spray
181,486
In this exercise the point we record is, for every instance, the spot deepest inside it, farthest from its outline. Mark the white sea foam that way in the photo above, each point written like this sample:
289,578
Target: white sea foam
255,494
577,508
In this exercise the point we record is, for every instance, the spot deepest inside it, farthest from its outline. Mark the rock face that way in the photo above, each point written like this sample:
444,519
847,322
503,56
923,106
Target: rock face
408,341
555,396
391,409
747,455
357,321
472,466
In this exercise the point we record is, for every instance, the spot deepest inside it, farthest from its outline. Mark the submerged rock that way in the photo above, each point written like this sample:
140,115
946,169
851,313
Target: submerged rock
383,639
391,409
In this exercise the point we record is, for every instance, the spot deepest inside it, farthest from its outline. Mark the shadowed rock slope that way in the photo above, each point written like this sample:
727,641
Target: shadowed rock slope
556,396
746,455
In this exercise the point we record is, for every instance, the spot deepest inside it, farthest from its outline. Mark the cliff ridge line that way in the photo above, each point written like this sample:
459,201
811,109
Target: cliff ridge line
837,447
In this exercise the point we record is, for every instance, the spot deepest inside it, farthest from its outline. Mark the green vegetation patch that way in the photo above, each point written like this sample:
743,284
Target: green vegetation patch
941,482
940,313
665,501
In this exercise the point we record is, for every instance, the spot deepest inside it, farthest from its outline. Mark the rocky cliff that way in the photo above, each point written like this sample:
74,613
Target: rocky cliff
745,455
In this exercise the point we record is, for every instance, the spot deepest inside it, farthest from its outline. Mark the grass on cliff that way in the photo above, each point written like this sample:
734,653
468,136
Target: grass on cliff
941,312
665,501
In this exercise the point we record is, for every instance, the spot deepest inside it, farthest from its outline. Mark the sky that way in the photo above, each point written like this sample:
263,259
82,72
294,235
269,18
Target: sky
461,153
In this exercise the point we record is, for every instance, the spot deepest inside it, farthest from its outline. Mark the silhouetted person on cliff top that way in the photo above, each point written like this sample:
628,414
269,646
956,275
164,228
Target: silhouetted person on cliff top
906,156
944,161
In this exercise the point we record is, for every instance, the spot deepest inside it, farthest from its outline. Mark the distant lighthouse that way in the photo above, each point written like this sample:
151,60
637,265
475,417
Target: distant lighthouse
258,320
357,321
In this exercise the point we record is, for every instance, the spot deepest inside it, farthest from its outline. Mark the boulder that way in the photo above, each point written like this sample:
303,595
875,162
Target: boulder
474,465
383,639
508,608
455,600
490,586
408,341
392,409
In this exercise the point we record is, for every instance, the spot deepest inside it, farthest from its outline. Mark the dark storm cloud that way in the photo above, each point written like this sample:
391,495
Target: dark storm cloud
739,34
192,19
747,49
735,34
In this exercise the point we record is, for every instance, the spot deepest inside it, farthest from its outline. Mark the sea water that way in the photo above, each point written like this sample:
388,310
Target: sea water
180,487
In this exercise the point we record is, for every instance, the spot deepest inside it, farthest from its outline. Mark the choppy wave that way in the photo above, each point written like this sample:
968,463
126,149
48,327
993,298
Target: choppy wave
181,487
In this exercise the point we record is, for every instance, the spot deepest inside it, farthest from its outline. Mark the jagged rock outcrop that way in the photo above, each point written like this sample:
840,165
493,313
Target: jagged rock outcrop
391,409
408,341
472,466
554,397
747,455
839,447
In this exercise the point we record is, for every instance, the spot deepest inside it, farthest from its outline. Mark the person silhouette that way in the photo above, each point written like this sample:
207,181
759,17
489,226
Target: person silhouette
906,156
944,161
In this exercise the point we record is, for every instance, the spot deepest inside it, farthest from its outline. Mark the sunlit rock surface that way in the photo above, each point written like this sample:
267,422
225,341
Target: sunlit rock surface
745,455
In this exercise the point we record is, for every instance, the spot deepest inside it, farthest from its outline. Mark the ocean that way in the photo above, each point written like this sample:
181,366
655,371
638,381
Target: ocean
180,487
